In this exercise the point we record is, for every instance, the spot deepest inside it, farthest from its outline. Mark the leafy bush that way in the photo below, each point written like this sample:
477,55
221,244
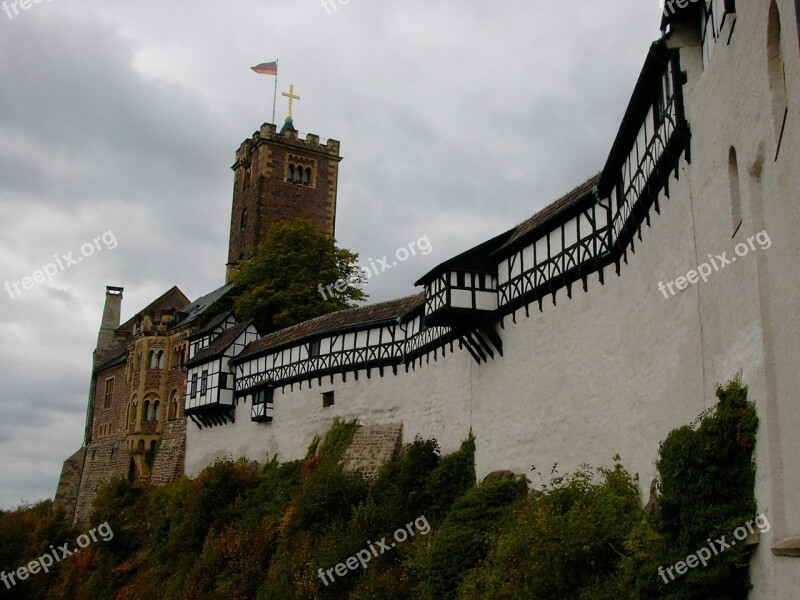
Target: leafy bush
706,489
564,543
464,537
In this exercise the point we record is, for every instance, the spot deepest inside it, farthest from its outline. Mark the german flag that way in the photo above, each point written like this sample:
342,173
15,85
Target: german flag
270,68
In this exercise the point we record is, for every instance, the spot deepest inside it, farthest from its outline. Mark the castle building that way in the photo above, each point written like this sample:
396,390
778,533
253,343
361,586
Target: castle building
140,395
595,327
607,319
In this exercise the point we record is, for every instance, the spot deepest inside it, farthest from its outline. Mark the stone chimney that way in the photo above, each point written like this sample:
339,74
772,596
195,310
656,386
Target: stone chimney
111,317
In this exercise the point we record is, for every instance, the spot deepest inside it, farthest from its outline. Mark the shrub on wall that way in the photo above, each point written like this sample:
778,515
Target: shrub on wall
564,543
706,490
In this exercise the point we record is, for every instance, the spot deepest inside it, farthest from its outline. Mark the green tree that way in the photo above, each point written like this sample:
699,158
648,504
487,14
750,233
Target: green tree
293,275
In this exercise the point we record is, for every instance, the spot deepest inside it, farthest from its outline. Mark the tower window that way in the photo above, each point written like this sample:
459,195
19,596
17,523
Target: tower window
108,395
246,178
132,412
301,170
173,406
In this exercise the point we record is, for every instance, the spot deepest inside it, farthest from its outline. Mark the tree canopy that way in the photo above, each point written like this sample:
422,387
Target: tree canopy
299,273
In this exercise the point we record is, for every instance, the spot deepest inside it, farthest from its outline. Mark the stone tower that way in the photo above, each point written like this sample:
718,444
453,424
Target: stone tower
279,177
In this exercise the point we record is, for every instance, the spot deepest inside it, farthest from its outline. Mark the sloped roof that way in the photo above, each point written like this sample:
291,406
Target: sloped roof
549,211
113,362
341,320
219,345
172,298
192,310
211,325
477,259
481,258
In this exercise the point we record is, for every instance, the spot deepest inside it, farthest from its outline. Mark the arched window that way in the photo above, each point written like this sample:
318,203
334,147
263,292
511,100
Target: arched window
735,191
148,410
306,176
243,222
132,413
156,411
151,359
160,359
777,74
291,173
178,356
173,406
246,178
298,174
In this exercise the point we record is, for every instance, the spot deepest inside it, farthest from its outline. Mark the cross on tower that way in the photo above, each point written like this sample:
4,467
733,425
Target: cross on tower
290,95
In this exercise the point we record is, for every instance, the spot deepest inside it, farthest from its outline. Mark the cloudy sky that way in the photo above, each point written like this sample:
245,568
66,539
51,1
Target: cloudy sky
457,119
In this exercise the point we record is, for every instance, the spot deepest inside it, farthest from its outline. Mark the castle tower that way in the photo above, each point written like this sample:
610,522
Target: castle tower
279,177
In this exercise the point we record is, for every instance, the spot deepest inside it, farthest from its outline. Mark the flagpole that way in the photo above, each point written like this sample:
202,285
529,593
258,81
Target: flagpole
275,93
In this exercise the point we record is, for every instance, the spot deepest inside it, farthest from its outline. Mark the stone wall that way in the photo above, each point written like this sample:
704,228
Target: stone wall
104,462
168,464
69,484
371,448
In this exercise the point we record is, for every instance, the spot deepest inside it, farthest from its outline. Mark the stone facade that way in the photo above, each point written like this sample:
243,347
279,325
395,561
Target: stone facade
136,404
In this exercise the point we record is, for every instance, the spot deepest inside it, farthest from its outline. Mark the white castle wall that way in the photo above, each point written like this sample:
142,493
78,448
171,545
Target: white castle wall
613,370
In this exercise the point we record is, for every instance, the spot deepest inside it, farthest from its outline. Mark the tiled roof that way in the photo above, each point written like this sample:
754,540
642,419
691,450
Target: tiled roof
113,362
195,309
343,319
551,210
219,345
480,258
211,325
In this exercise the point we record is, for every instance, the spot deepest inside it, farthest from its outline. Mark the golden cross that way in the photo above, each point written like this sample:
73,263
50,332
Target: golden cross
291,97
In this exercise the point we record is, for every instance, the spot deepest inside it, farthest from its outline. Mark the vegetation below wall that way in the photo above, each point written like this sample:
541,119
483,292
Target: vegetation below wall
242,531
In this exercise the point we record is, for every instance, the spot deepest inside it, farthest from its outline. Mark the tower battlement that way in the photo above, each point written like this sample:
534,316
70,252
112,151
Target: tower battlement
289,137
